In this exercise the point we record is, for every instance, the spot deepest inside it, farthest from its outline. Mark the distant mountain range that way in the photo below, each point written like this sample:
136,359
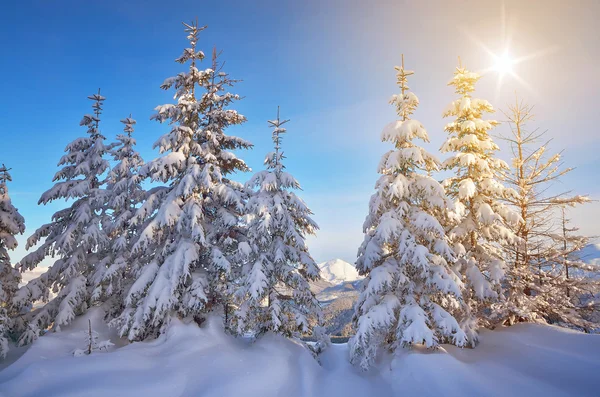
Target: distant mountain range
337,292
341,285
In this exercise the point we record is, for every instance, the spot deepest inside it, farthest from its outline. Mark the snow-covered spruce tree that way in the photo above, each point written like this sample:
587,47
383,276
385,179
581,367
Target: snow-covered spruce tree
92,342
532,284
74,237
11,224
411,293
274,292
124,195
189,231
480,228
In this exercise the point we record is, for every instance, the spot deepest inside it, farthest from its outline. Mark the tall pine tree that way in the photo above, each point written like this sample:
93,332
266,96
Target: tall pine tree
74,236
411,293
189,227
480,227
124,195
275,293
11,224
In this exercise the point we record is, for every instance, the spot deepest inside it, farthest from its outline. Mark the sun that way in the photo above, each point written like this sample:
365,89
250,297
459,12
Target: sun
503,63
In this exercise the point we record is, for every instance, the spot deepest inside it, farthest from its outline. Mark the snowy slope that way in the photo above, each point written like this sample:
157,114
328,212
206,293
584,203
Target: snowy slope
337,271
591,254
524,360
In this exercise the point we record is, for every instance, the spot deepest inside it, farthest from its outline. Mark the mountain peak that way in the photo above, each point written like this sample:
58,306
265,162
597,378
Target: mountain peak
337,271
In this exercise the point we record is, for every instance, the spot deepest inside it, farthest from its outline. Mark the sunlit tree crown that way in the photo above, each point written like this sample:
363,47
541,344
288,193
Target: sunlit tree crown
464,80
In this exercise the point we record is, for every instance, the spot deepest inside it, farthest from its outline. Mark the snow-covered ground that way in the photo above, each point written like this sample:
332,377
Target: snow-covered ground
591,254
524,360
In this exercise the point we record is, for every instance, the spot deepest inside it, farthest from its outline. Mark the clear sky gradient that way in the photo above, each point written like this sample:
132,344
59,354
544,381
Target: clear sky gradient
328,64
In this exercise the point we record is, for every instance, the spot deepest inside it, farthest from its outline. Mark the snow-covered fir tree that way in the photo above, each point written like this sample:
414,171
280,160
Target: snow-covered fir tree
92,342
411,292
74,237
480,226
124,195
189,235
536,282
275,293
11,224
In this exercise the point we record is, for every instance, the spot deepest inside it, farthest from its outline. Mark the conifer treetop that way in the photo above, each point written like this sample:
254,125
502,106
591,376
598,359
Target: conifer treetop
277,131
406,105
129,123
93,122
464,80
402,132
193,31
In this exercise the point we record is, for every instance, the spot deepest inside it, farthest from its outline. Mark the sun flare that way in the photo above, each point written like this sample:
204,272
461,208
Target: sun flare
504,63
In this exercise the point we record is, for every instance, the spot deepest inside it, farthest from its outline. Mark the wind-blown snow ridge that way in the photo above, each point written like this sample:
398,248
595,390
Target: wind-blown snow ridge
337,271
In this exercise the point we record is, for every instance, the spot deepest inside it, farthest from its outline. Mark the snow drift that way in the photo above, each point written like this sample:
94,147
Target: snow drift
524,360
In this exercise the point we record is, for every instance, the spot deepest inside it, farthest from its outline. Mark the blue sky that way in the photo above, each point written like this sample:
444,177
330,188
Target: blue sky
328,64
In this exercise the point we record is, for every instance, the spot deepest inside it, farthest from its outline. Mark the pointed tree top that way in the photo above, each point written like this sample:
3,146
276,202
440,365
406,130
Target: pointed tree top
405,103
402,75
4,175
464,80
97,97
129,123
193,27
193,31
277,131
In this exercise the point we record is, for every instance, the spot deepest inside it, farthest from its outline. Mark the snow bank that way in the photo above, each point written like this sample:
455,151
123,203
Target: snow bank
524,360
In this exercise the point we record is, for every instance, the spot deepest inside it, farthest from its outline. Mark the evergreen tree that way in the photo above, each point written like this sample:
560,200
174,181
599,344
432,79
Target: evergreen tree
92,342
189,235
535,287
480,226
11,224
411,293
74,236
275,292
125,195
